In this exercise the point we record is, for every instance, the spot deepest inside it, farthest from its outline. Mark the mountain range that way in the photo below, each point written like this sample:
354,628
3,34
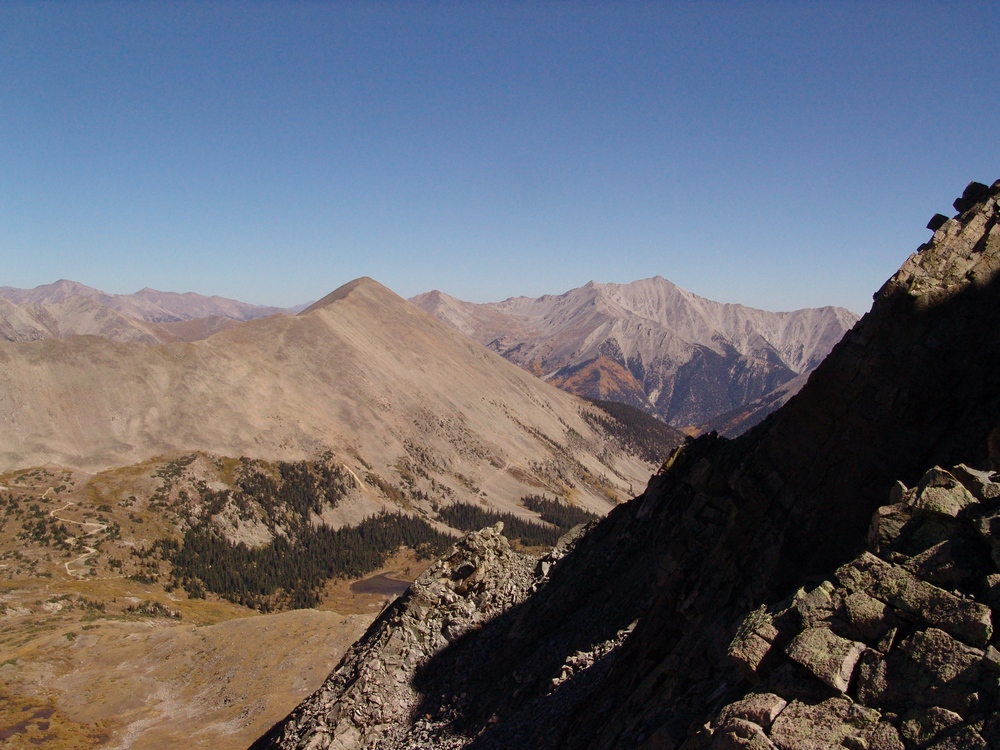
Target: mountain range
829,579
362,373
651,344
68,308
694,363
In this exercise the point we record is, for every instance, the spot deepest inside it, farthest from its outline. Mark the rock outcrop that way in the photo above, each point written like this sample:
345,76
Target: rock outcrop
894,649
370,697
653,625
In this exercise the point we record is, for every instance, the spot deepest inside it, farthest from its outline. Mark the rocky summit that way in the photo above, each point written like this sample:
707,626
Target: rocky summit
828,579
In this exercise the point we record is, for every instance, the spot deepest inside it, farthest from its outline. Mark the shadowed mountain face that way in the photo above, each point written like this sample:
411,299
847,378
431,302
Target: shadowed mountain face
650,344
745,416
385,387
622,643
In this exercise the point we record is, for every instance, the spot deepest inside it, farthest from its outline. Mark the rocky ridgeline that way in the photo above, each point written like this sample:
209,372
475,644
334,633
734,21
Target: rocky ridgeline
896,650
630,641
369,698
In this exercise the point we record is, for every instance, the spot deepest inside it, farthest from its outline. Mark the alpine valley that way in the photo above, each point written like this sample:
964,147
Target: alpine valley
165,495
368,523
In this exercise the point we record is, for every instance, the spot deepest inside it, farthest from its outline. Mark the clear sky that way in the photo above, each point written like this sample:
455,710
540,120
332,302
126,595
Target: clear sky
781,155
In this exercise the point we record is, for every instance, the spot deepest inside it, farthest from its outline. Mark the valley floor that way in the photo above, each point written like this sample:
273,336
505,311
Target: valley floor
72,676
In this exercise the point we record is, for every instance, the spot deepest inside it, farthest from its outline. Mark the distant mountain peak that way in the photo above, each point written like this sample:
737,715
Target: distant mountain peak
687,358
144,316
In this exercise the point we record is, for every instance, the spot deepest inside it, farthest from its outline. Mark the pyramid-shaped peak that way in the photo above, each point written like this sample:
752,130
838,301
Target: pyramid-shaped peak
433,296
365,287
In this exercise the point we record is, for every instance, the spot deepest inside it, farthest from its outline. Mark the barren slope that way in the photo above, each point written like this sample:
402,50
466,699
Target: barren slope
361,373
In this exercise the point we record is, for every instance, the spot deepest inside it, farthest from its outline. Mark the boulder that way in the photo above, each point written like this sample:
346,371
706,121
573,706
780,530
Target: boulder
816,607
740,734
836,721
965,619
929,669
760,708
753,643
925,530
883,736
976,192
887,524
940,492
979,483
868,619
828,656
748,653
936,222
953,563
921,727
964,738
988,528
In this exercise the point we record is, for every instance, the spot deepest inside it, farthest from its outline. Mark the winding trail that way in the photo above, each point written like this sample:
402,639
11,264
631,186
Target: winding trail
97,528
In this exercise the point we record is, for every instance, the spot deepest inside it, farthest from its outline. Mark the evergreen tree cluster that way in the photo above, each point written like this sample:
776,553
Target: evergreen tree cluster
302,487
288,572
638,432
557,513
468,517
45,530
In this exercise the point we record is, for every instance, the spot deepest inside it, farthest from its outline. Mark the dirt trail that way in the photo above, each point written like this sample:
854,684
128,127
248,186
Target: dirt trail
96,528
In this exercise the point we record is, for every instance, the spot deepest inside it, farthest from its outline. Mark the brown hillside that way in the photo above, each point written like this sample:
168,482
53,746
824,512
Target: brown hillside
361,373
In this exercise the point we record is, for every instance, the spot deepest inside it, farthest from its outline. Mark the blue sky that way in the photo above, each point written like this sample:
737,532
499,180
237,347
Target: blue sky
780,155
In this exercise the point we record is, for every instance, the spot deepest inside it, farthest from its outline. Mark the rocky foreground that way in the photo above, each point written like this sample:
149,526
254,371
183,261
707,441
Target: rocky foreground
371,692
745,599
894,650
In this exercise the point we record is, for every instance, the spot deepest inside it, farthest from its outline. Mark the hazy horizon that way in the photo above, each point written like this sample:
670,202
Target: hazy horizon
774,155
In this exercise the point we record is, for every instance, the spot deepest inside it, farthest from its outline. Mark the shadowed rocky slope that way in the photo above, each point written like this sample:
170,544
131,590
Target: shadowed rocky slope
891,651
631,640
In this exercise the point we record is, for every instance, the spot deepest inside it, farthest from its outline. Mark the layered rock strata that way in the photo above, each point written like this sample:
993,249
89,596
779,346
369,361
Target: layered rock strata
651,344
